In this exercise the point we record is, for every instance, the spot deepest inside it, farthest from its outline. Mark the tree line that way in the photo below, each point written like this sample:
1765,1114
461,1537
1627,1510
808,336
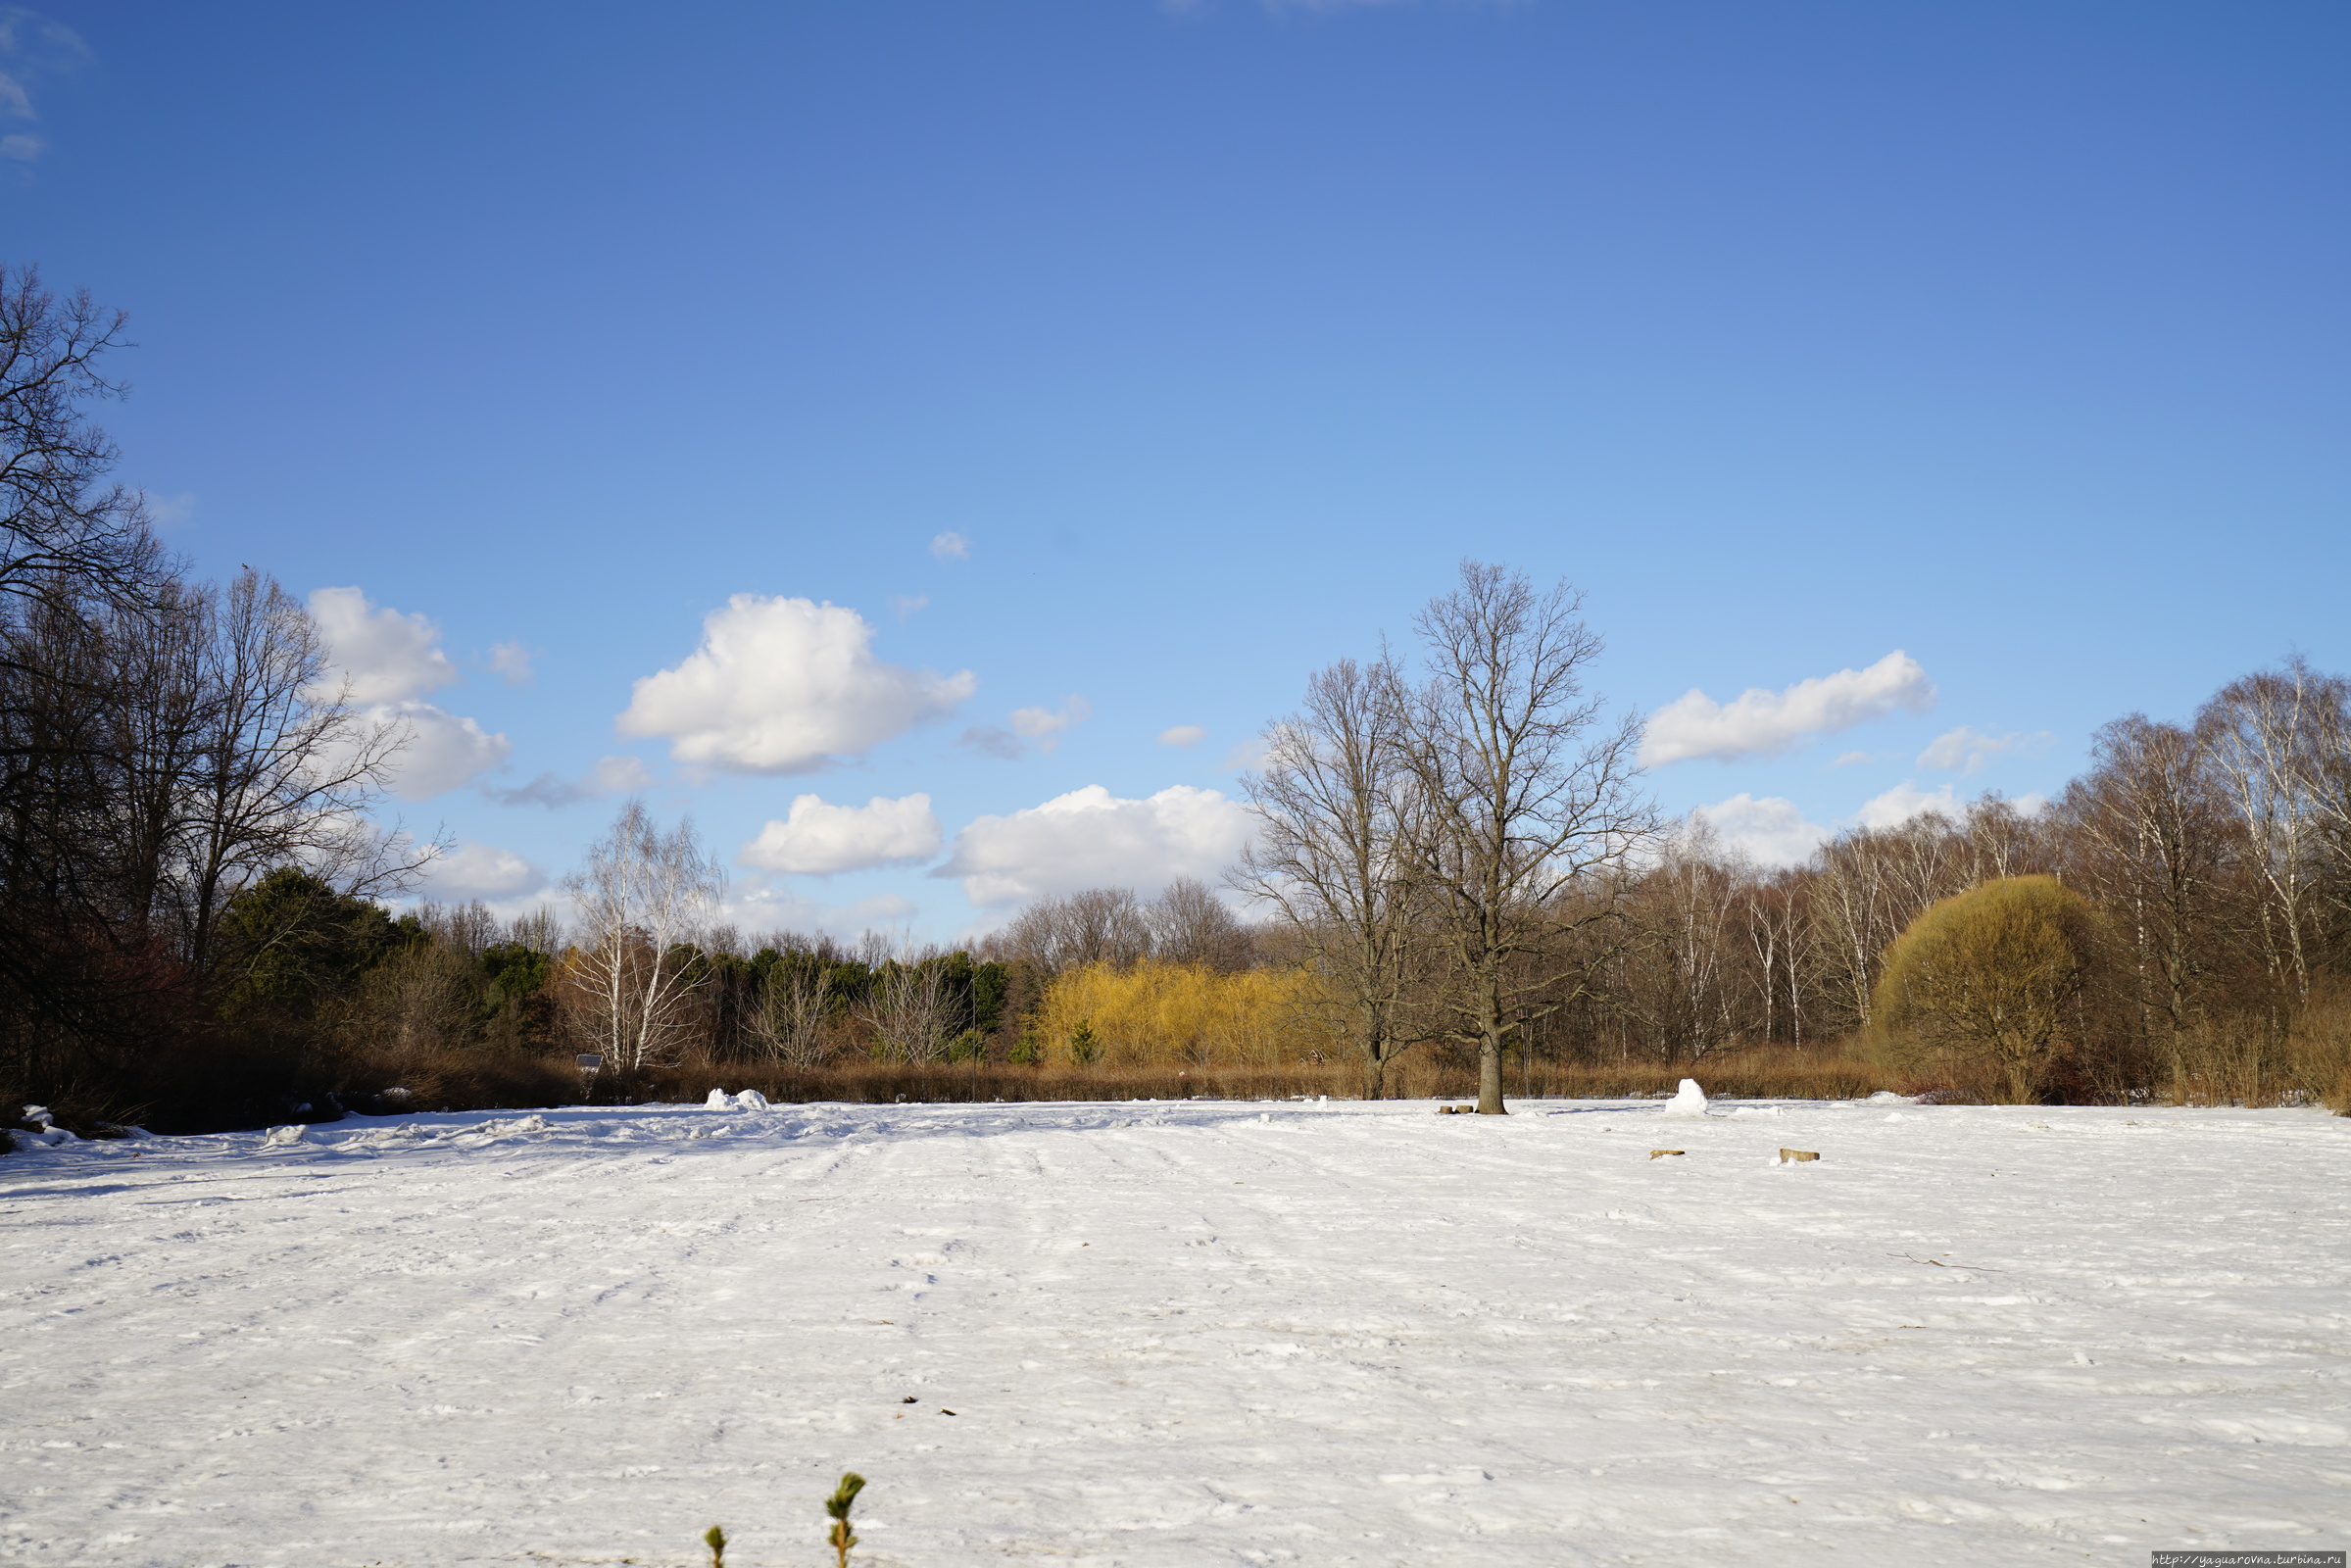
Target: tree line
1455,863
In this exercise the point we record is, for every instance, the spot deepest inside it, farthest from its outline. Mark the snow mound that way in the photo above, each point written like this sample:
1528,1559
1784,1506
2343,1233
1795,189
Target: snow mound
751,1099
1691,1102
719,1100
285,1137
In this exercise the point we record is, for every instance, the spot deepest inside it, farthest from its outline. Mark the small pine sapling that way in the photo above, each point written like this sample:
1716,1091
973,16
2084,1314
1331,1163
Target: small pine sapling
716,1539
1028,1050
1083,1046
842,1537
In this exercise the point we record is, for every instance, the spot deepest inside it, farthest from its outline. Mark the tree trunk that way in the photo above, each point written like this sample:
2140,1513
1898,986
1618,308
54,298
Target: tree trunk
1490,1076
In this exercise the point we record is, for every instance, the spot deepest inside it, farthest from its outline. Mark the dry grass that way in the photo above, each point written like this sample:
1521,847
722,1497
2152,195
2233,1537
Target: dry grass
2250,1063
1778,1074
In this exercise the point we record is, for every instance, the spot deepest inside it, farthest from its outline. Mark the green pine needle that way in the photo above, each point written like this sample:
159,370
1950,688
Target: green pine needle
842,1537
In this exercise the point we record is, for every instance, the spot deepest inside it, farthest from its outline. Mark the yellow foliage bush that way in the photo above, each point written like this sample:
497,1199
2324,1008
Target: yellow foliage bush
1983,985
1162,1014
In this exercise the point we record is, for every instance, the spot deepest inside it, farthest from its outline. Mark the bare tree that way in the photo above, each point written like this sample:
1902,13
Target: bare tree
286,770
908,1010
59,532
2266,739
793,1006
1099,925
1338,822
2148,845
1529,799
1189,924
644,898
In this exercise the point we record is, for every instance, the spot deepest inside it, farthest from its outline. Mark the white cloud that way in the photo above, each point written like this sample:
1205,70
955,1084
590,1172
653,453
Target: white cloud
950,546
1042,725
1906,801
818,839
785,686
619,775
1966,750
512,661
482,871
757,905
1765,723
1090,838
442,749
905,605
612,775
1770,830
388,657
384,660
1045,725
1852,759
1183,735
31,46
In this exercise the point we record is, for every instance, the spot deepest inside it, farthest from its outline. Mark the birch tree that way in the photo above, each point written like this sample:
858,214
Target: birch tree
795,1005
645,898
2264,737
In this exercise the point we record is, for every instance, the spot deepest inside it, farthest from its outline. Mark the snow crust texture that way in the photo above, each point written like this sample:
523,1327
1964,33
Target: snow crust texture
1185,1334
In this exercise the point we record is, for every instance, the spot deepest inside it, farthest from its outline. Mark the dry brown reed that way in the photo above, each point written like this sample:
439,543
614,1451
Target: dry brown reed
2253,1062
1777,1073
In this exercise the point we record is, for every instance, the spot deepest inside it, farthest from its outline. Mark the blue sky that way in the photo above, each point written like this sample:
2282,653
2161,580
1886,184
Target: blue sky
2007,336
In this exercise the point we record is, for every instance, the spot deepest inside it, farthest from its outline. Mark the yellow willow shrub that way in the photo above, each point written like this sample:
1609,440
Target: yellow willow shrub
1182,1014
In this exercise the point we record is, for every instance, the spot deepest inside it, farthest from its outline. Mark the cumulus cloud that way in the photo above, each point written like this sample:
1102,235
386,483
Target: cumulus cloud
818,839
1766,723
482,871
386,656
905,605
785,686
511,662
1045,725
1966,750
756,904
384,660
950,546
441,751
1769,830
1906,801
1090,838
1183,735
612,775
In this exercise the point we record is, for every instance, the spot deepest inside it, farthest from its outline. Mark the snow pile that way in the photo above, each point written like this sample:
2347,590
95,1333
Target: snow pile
1689,1102
1984,1335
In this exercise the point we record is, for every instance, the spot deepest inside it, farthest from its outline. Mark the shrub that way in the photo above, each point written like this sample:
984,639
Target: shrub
1985,986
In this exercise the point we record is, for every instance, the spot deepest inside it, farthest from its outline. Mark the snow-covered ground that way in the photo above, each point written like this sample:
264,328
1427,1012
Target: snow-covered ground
1183,1334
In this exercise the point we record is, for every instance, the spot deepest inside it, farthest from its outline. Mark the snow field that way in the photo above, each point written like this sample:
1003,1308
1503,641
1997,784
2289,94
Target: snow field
1182,1334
